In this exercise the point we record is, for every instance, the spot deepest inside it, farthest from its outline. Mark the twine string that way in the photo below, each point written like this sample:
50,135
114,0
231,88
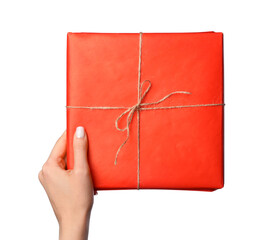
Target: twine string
138,111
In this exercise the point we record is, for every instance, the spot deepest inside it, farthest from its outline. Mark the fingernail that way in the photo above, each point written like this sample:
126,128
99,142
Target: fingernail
80,132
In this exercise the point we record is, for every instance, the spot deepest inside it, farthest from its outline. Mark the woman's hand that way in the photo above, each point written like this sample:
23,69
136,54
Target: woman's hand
70,191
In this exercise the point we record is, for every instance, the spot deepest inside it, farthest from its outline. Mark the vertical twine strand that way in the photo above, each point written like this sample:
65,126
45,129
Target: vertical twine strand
138,111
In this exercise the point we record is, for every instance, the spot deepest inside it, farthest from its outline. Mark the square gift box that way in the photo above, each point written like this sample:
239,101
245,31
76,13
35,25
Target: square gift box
152,106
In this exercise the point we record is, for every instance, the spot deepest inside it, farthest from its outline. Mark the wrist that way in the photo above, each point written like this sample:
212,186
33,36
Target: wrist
74,227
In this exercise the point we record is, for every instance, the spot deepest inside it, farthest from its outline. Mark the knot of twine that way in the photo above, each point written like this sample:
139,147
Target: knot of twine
137,107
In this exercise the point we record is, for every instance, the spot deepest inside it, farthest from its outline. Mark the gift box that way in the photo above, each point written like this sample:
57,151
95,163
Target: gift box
152,106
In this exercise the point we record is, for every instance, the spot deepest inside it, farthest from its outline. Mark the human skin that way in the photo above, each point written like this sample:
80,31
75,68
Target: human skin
70,192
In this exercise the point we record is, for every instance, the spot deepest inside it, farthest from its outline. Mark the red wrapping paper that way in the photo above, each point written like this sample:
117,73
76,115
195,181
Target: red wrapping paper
179,148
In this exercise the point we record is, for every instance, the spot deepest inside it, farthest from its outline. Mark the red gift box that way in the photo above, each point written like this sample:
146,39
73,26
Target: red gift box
164,92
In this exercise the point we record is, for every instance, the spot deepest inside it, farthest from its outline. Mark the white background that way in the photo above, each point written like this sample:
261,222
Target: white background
33,116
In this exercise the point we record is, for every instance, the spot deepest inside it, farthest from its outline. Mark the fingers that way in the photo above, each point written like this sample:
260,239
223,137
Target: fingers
80,146
58,152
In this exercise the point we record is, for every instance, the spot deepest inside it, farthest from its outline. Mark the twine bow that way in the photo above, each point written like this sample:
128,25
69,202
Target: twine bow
137,107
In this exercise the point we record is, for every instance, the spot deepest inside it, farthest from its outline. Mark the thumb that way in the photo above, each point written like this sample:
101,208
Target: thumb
80,149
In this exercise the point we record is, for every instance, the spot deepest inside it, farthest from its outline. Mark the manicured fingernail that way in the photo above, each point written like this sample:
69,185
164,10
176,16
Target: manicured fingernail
80,132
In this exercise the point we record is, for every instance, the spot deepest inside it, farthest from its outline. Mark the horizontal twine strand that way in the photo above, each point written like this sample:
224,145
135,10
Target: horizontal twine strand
148,108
